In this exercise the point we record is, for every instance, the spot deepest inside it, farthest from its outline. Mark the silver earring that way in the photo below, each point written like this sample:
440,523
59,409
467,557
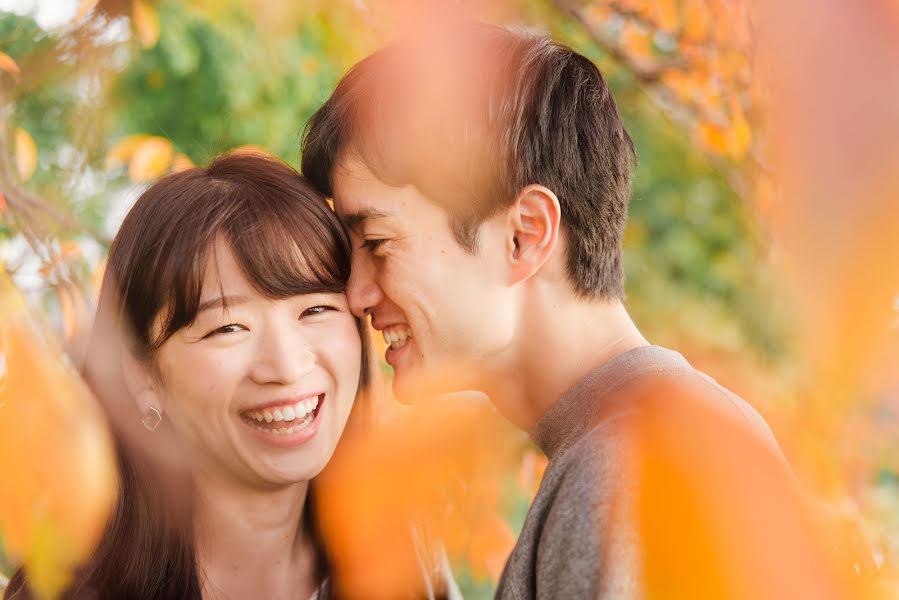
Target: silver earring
151,419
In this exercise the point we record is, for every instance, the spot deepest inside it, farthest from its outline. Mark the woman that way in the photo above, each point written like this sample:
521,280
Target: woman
229,364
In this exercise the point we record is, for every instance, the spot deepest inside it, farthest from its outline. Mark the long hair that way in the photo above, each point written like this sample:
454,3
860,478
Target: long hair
287,241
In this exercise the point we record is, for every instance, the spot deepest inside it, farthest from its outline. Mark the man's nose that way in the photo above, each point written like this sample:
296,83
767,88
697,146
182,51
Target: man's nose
363,291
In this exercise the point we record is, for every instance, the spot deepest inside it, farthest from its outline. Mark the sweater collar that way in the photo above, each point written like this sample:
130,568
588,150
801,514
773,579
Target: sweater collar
576,412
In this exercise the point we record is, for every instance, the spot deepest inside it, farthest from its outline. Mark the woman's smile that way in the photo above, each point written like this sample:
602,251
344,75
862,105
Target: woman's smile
286,423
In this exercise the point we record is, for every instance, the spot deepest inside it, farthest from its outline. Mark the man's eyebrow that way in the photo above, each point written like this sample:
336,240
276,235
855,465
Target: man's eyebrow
221,301
355,219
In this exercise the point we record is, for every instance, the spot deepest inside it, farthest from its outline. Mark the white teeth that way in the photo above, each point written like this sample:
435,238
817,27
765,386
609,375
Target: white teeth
302,411
286,430
396,336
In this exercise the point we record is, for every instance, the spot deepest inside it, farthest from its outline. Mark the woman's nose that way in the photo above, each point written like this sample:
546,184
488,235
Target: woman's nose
283,357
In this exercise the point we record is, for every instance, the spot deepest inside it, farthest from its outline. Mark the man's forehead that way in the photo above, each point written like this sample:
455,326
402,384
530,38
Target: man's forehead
360,196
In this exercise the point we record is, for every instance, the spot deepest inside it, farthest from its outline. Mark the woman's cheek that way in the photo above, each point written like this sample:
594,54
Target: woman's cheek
199,377
343,350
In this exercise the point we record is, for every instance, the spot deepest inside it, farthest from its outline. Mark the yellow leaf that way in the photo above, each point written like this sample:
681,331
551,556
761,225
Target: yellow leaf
636,42
666,14
69,250
492,541
26,154
679,84
85,8
97,280
739,135
181,162
309,65
9,65
122,152
711,137
73,310
151,159
56,454
145,19
598,12
696,20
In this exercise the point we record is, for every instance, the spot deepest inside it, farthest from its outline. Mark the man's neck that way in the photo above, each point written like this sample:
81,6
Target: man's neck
561,340
251,543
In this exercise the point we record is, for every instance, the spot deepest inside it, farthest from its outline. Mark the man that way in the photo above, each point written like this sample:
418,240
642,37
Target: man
484,178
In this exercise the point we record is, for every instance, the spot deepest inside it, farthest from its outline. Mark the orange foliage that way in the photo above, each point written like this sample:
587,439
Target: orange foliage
151,158
26,154
9,65
56,455
429,475
145,20
718,512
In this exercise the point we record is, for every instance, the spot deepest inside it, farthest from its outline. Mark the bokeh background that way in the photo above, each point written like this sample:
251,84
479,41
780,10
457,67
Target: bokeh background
762,234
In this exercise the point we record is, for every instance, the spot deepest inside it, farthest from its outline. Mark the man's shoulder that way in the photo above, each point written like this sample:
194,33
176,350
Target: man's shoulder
662,390
677,403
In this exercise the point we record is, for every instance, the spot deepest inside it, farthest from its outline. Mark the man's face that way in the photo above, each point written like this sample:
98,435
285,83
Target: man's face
445,313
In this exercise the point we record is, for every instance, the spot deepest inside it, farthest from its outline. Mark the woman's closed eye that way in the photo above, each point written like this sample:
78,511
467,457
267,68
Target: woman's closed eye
229,328
317,310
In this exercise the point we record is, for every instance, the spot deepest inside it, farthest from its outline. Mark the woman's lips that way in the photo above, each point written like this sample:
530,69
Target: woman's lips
300,427
284,411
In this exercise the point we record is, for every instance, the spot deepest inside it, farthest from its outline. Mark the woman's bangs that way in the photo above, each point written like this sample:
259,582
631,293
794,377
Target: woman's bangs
285,249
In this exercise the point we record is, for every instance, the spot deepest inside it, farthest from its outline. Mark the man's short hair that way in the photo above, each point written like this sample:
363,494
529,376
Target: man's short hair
473,114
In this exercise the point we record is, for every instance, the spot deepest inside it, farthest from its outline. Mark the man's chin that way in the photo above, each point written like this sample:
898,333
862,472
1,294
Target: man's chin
412,384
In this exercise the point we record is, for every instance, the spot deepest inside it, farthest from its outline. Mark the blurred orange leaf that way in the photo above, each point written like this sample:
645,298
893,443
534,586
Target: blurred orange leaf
666,14
151,159
491,543
739,136
26,154
146,22
437,466
122,152
696,19
85,8
712,137
678,82
181,162
73,309
97,279
56,455
636,41
3,205
9,65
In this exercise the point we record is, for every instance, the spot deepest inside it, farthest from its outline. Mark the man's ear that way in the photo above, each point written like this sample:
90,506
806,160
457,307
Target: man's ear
535,218
142,386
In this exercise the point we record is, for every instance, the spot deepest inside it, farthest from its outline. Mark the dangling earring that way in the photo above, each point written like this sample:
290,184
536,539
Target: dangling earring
151,419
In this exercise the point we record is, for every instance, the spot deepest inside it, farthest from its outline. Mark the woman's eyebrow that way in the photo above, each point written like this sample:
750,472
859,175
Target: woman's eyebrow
221,302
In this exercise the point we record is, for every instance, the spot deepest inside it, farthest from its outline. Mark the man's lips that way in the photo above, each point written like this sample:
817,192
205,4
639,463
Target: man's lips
397,336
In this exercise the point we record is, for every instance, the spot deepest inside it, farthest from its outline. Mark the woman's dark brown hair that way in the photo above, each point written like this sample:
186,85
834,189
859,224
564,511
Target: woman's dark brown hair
287,241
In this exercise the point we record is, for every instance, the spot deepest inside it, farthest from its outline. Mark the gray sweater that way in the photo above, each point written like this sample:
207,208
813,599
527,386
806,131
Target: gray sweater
571,544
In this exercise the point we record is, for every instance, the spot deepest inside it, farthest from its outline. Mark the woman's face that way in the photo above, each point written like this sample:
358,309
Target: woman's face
260,389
